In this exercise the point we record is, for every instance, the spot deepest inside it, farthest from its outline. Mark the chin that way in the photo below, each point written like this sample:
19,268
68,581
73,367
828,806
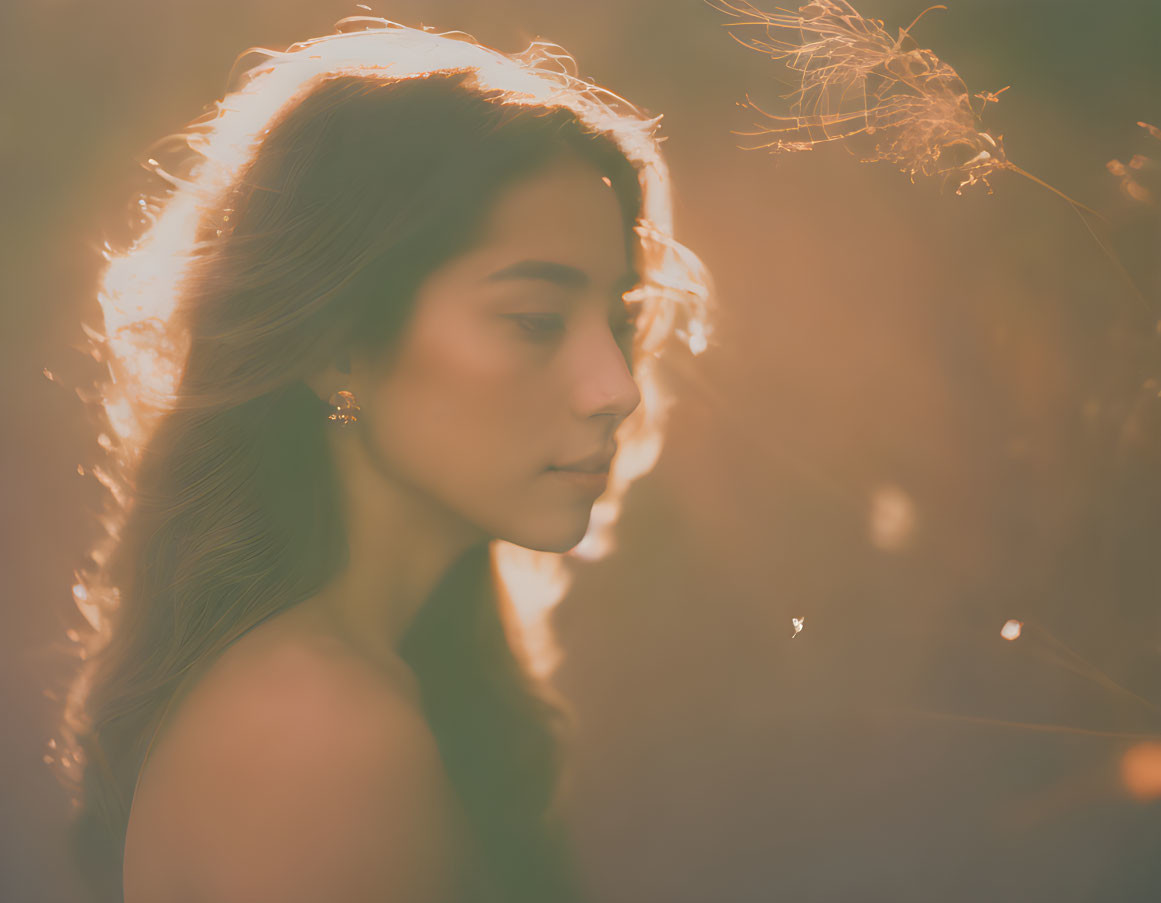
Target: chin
560,537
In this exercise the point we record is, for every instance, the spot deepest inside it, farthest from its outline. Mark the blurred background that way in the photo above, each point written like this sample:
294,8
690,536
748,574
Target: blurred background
923,416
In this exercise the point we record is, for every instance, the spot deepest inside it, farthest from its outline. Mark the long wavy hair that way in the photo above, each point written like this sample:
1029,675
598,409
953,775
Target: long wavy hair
296,220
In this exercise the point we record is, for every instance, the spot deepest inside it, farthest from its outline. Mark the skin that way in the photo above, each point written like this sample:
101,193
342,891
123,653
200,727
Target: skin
496,379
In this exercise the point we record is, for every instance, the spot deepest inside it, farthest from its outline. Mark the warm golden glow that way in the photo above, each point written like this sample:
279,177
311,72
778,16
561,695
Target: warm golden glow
1127,173
891,522
1141,770
140,290
1011,630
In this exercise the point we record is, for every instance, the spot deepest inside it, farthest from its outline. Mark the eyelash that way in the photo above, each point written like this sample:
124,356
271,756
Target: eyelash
535,324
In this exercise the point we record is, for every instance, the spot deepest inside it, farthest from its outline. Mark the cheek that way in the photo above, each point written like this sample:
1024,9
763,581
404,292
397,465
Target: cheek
463,411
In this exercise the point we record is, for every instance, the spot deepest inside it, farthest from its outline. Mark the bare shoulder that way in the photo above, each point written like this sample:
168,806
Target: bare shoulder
294,772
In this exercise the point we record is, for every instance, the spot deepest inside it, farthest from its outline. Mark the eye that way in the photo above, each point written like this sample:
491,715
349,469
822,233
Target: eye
538,326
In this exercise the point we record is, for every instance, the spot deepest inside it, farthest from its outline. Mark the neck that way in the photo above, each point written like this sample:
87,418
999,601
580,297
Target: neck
401,542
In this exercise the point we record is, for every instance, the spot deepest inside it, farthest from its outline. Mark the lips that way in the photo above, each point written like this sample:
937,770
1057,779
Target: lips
591,483
594,463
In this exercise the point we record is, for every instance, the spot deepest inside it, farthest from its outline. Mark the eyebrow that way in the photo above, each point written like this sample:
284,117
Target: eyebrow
558,274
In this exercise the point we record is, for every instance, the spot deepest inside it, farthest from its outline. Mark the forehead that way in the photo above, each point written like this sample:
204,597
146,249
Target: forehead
565,212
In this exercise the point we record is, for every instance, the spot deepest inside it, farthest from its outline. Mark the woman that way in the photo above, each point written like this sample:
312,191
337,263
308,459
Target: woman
386,329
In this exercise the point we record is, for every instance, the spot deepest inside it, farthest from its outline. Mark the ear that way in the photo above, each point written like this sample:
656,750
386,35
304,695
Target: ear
333,377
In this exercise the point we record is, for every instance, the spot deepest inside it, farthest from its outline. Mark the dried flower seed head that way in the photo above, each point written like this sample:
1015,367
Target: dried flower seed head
859,85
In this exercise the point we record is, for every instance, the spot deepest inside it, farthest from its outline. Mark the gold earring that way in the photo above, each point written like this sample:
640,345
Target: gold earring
345,407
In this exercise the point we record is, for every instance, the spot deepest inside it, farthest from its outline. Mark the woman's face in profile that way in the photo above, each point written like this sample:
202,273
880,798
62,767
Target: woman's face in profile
515,362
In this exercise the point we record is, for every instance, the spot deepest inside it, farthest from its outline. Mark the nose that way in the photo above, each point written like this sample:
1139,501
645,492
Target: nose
604,383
